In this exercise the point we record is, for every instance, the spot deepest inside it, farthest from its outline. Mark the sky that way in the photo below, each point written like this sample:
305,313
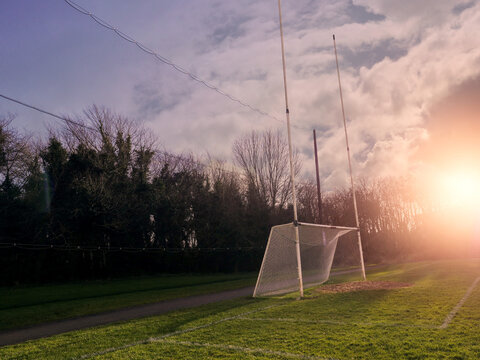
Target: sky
410,75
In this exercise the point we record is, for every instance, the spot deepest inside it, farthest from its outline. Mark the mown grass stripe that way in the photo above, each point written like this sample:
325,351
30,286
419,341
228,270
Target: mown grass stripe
457,307
178,332
246,349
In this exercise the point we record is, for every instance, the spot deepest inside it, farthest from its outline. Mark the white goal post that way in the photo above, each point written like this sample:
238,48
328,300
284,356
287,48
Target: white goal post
300,254
282,271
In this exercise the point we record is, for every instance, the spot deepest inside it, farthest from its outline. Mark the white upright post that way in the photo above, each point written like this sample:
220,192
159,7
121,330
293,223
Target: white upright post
350,166
292,174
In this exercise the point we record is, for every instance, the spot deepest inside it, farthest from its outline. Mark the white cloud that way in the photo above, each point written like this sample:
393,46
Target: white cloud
397,60
386,103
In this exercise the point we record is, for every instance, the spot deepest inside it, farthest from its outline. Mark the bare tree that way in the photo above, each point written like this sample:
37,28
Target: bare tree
308,202
166,161
263,158
100,127
15,153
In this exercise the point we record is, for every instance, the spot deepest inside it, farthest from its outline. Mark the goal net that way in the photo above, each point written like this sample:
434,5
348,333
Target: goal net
279,271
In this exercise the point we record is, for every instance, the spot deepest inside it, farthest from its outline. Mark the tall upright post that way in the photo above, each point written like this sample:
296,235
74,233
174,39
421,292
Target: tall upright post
350,165
319,194
292,174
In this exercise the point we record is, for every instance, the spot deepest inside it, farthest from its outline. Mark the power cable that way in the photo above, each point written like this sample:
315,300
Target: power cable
164,153
83,247
169,62
70,122
67,120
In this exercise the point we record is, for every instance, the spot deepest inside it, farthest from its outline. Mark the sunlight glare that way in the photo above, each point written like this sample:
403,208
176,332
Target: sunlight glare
460,189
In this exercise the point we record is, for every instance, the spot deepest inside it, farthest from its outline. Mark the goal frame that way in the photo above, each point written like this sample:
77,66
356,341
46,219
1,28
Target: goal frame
297,249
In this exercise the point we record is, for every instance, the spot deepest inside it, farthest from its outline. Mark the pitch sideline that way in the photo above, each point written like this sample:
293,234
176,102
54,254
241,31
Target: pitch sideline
457,307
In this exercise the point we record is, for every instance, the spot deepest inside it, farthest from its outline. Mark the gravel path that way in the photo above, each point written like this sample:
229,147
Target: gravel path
58,327
53,328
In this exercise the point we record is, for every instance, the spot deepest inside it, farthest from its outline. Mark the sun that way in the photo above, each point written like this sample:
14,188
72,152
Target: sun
450,197
459,189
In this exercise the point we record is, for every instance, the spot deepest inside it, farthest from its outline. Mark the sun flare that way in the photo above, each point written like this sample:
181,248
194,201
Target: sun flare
459,189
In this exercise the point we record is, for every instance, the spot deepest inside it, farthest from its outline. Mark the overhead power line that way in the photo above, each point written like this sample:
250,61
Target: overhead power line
72,122
83,247
167,61
67,120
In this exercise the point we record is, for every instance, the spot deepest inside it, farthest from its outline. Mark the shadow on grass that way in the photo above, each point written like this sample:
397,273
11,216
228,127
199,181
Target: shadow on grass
30,296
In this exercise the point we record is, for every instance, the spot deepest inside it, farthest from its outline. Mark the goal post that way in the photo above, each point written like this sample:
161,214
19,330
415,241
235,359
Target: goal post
279,272
298,254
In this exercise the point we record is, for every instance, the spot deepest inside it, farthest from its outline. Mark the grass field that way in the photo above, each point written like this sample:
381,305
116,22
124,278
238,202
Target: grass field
23,306
406,323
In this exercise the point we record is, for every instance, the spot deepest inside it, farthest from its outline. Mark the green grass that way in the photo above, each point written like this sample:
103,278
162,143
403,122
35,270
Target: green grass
378,324
23,306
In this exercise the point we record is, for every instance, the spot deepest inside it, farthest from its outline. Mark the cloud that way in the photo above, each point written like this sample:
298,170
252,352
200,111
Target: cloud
453,129
398,60
396,64
153,96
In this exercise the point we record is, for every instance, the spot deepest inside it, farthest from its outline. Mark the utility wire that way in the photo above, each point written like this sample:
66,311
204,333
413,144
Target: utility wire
83,247
70,122
169,62
67,120
165,153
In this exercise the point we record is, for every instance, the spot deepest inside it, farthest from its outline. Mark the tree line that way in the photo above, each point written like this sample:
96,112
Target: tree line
99,198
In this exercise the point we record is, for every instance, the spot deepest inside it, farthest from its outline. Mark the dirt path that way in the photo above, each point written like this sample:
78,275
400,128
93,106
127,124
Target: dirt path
58,327
53,328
